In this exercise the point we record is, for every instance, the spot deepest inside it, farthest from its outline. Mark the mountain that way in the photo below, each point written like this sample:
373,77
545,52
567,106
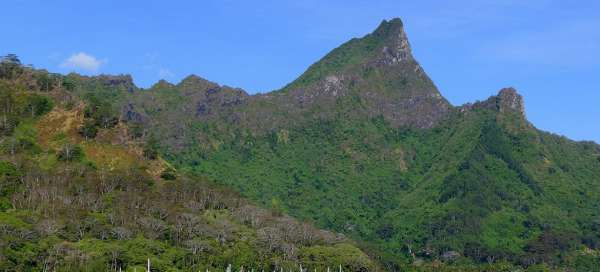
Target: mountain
364,144
82,191
364,78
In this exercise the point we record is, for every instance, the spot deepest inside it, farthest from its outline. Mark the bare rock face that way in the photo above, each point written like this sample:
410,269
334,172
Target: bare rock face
219,99
369,77
117,81
510,100
129,114
332,85
397,47
410,97
372,76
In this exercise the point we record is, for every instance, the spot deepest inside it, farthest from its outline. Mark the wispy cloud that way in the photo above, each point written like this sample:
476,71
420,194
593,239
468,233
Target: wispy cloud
83,61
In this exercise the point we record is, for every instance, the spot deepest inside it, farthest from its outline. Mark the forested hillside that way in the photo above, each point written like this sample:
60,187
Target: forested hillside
81,191
364,144
98,173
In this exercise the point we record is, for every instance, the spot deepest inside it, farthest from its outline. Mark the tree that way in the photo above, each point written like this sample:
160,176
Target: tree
70,152
7,105
10,66
68,84
101,112
45,82
270,237
89,129
168,174
151,148
11,58
39,105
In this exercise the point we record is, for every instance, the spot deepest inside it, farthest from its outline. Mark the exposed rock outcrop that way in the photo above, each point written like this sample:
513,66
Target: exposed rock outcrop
369,77
396,46
508,100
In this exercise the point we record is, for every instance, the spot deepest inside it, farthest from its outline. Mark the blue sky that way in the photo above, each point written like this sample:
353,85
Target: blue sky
548,50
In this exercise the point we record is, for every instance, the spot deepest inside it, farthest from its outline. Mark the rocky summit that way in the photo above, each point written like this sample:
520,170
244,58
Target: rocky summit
368,77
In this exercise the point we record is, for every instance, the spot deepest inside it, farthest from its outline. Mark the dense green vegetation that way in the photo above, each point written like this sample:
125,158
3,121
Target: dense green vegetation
361,144
481,186
65,207
469,186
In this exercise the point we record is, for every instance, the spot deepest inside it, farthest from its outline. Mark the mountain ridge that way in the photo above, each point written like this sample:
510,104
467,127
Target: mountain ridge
364,144
332,86
82,191
369,76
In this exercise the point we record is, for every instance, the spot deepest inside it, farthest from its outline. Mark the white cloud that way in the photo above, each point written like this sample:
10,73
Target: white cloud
83,61
165,73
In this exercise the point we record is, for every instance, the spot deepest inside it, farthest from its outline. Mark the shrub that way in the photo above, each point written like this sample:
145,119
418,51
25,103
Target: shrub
151,148
39,105
68,84
168,174
89,129
136,131
102,114
44,82
70,152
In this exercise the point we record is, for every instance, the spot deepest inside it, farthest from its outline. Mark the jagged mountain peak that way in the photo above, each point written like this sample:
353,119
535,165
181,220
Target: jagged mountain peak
507,103
387,45
508,99
379,69
394,25
391,32
396,46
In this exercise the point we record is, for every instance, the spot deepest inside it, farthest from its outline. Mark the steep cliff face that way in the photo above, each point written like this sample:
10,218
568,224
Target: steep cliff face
510,100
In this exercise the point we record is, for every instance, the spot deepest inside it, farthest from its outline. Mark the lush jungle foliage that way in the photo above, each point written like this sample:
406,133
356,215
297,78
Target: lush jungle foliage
96,173
483,186
77,201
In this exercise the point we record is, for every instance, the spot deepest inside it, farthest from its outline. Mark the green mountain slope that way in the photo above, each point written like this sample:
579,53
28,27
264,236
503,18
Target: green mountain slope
364,144
81,191
484,184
